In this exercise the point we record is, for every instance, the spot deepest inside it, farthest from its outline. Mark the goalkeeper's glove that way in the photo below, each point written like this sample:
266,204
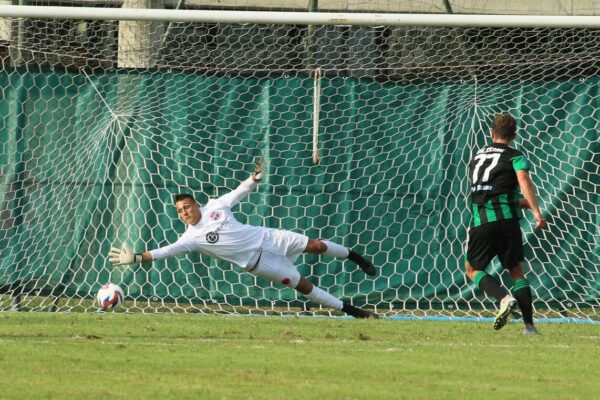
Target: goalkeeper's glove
124,256
258,168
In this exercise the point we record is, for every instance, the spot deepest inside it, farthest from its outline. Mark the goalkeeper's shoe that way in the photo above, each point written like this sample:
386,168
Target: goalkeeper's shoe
364,264
529,329
507,305
357,312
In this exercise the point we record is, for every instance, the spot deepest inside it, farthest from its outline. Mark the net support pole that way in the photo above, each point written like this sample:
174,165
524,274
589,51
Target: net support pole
54,305
316,115
15,301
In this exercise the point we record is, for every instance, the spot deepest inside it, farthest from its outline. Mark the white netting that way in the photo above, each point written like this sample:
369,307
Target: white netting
103,121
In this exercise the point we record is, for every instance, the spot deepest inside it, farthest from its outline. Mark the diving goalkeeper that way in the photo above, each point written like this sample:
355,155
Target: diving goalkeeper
265,252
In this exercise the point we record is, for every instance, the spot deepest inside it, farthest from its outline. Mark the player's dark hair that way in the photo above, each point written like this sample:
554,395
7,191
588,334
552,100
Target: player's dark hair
183,196
505,126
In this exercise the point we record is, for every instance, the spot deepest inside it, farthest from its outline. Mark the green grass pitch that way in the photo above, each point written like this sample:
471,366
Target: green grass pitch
135,356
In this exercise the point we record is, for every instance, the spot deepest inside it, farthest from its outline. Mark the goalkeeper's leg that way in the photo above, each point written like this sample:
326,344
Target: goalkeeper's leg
331,249
279,269
322,297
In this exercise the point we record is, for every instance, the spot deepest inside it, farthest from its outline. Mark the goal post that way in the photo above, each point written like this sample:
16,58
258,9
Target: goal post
301,18
366,121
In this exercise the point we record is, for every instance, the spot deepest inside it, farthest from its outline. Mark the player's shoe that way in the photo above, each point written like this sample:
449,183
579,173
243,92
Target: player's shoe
357,312
529,329
364,264
507,304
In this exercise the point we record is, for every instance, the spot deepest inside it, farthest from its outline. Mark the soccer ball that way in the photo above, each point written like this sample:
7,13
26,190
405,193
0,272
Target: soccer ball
110,296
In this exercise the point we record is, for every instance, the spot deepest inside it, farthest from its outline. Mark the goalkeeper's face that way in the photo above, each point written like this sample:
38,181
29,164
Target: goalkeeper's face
189,211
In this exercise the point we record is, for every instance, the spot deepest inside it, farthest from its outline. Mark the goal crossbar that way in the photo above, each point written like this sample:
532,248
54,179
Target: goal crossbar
300,18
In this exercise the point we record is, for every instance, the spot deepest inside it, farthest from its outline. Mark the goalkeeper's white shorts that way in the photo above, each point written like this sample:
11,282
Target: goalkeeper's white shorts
286,243
278,252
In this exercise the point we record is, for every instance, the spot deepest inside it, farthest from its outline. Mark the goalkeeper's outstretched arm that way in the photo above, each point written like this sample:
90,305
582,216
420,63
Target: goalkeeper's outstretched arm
126,256
235,196
189,214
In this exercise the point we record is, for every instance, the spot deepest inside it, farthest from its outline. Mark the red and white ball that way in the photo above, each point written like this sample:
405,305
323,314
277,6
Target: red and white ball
110,296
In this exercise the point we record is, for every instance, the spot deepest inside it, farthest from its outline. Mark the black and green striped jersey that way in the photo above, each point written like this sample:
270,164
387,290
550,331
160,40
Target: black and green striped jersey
494,185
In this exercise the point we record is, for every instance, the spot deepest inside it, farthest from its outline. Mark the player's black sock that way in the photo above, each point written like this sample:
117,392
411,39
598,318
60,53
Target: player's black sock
522,292
357,312
489,285
364,264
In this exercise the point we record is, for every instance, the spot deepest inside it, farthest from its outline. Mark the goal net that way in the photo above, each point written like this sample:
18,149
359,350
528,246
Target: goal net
366,132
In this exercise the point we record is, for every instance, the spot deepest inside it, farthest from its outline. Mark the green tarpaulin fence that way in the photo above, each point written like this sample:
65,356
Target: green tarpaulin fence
75,179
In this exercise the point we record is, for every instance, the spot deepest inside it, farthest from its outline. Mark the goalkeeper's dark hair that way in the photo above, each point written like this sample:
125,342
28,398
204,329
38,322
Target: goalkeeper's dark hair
505,126
183,196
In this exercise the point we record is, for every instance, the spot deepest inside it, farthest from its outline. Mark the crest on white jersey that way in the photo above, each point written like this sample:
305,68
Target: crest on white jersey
212,237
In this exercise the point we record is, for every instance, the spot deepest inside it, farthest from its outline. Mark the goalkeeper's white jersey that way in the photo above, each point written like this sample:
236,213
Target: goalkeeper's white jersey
218,234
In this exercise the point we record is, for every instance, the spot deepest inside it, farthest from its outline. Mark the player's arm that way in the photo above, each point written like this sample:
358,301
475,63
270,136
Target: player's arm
126,256
528,190
524,204
236,195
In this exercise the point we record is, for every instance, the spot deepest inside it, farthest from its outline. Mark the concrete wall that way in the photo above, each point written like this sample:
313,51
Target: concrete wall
5,24
138,40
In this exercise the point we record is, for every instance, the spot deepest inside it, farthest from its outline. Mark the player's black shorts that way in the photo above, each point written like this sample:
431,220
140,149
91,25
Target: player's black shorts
500,238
